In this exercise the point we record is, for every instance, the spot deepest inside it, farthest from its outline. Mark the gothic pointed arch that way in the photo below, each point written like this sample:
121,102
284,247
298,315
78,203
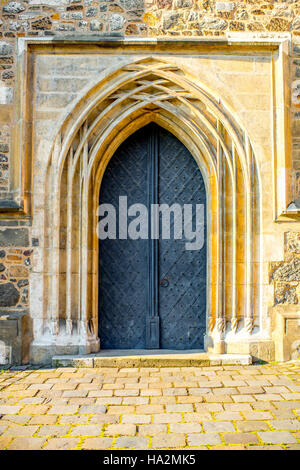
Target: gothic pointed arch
129,98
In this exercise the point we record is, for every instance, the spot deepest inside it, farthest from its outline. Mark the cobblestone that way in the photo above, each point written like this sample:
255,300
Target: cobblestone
220,407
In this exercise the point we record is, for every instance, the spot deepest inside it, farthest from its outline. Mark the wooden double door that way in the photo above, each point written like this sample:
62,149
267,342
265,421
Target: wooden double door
152,292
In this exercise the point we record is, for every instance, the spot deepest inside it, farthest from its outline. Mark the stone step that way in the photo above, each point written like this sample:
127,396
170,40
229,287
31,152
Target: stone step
150,358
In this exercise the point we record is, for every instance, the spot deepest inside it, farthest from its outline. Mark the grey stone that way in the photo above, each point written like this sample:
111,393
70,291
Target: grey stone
116,22
215,24
49,3
14,237
226,6
193,16
35,242
11,330
13,7
242,15
96,25
285,294
132,4
23,283
77,15
7,75
41,24
6,97
2,254
65,27
296,49
2,268
15,26
4,148
292,238
184,3
9,295
92,11
288,271
296,24
170,20
5,48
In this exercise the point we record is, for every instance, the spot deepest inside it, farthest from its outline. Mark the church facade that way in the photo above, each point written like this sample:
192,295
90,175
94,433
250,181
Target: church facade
159,102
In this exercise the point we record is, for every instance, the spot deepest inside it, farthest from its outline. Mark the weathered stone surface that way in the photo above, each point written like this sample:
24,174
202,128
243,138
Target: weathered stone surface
170,20
226,6
285,294
289,271
213,24
96,25
18,271
236,26
49,3
116,22
9,295
13,7
132,4
6,97
5,48
8,75
278,24
14,237
296,24
4,148
292,241
164,3
41,24
184,3
92,11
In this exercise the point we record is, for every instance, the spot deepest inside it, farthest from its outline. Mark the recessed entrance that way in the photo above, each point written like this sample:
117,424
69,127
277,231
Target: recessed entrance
152,292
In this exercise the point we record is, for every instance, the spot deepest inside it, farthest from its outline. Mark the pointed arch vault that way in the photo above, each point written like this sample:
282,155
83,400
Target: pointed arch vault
147,90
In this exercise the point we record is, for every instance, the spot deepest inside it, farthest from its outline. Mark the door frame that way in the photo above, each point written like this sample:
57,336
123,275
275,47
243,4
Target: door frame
102,118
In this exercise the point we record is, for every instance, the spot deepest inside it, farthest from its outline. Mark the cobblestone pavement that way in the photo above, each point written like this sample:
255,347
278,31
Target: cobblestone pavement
226,407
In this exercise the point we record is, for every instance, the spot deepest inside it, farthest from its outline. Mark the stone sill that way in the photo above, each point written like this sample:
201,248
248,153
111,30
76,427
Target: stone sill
150,358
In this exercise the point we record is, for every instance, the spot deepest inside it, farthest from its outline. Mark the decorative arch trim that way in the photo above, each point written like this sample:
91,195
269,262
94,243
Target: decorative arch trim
134,95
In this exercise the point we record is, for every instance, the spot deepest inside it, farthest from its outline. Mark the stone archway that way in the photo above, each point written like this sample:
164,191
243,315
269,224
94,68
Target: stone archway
148,90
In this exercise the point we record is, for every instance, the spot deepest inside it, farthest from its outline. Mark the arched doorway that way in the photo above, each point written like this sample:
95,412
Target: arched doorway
152,291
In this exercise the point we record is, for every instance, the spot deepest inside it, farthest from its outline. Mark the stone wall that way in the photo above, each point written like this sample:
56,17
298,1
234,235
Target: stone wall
15,265
285,275
40,18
